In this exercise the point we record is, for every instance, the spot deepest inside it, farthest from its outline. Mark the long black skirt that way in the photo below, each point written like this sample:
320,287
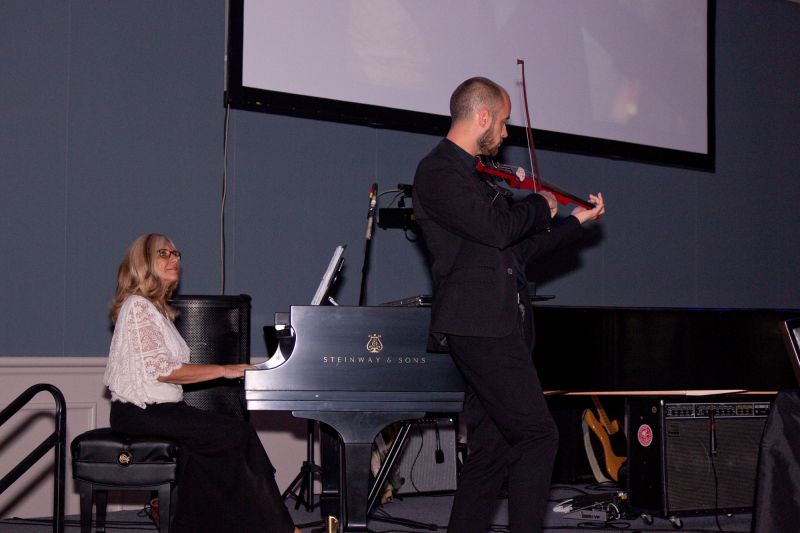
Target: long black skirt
226,481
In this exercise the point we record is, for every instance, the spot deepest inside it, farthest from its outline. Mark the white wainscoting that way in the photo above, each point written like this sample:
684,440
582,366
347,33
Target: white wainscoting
80,380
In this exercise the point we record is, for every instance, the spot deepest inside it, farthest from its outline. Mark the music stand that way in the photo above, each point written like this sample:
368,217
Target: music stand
302,487
330,275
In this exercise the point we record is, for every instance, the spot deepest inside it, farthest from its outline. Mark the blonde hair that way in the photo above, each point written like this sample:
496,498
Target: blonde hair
137,274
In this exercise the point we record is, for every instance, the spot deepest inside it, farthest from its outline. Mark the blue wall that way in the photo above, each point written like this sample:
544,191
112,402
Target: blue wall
111,125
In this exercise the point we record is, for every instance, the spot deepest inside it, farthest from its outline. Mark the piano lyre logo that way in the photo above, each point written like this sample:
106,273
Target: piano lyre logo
374,344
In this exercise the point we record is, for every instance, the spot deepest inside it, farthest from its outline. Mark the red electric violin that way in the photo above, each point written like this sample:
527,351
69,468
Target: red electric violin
517,177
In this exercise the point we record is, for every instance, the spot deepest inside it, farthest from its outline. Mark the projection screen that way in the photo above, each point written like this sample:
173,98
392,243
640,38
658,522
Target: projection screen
627,79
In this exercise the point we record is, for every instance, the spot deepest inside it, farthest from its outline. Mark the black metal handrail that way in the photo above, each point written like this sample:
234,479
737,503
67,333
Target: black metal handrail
56,440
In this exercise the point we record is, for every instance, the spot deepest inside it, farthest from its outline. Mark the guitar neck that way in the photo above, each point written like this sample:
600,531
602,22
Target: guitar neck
601,413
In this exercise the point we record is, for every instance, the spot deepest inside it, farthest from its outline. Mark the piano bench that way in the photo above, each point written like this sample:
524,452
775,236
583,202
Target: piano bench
103,460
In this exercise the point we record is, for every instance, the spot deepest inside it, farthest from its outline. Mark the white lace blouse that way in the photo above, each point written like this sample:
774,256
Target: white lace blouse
145,345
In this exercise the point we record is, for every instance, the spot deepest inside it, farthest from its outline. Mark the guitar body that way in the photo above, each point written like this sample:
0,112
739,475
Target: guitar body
612,440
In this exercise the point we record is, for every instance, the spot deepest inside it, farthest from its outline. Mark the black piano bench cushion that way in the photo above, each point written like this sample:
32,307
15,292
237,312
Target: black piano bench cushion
104,457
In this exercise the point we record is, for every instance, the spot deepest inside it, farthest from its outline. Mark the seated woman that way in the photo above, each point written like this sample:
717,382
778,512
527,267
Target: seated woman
226,480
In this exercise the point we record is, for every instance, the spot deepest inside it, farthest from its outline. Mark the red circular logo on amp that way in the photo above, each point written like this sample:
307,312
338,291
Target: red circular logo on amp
645,435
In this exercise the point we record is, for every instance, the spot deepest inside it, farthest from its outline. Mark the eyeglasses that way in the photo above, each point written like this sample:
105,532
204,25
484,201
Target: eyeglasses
164,253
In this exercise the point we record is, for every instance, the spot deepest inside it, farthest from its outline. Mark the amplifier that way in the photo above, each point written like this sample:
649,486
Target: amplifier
694,457
427,462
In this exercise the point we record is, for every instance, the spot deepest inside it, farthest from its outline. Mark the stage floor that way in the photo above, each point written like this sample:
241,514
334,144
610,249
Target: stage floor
432,511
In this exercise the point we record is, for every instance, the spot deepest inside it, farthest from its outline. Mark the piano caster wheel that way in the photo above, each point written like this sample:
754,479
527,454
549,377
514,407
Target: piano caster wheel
676,522
330,525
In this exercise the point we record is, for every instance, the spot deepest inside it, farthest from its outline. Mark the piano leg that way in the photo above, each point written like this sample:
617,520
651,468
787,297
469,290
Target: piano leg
330,459
357,431
356,492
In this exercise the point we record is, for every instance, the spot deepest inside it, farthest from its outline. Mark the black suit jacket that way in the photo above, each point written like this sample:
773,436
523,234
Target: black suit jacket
473,238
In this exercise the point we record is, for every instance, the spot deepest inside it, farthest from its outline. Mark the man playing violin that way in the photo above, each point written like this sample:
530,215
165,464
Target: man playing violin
479,243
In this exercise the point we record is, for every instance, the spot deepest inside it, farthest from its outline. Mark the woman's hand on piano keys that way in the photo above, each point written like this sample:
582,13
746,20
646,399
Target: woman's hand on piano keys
235,371
197,373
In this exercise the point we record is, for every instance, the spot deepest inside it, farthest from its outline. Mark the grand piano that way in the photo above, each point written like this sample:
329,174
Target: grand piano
359,369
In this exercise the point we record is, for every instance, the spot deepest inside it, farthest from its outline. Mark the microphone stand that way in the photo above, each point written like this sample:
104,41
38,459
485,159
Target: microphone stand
302,487
373,203
362,296
400,438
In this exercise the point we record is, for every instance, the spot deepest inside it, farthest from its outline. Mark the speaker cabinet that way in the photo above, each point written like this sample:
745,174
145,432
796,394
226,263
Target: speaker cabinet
694,457
217,330
427,462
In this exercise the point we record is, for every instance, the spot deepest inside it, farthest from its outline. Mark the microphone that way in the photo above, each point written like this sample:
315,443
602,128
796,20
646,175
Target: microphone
712,431
406,189
439,455
373,202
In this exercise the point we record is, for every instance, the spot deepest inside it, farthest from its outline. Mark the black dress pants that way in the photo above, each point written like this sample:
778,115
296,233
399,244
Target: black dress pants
226,481
510,432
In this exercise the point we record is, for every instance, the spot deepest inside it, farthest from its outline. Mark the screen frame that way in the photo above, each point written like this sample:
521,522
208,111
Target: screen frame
238,96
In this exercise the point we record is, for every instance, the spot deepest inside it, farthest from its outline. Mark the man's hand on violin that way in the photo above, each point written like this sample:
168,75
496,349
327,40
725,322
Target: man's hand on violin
585,215
551,201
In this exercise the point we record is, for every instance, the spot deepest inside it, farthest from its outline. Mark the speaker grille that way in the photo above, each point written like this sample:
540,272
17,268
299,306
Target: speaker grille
417,462
690,467
671,469
217,330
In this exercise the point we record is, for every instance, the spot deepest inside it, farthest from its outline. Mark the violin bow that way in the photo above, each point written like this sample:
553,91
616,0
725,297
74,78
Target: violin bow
529,129
538,182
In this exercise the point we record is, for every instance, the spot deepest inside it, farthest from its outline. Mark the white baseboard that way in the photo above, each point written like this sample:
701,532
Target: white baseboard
80,380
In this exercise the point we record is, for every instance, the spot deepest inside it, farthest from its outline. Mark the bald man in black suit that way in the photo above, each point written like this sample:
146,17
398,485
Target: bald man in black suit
479,241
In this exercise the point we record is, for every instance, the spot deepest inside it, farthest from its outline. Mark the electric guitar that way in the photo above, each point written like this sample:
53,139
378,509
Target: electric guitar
610,437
